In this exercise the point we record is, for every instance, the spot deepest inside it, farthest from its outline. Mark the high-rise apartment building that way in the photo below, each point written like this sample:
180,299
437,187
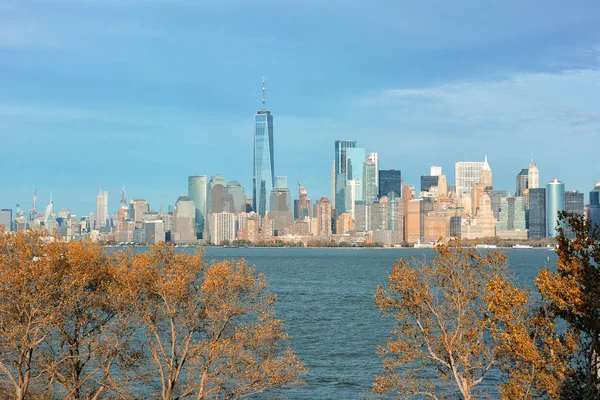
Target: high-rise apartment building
154,231
512,214
353,194
264,159
390,180
467,175
323,217
6,220
370,180
197,186
341,172
101,209
537,213
522,182
435,170
555,202
222,227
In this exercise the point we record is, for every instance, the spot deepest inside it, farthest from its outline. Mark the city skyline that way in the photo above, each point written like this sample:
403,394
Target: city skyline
152,101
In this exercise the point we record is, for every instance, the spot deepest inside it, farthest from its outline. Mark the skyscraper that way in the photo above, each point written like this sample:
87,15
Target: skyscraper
323,217
341,173
573,204
555,202
264,161
370,179
390,180
184,220
101,208
537,213
467,175
522,182
197,186
533,176
280,205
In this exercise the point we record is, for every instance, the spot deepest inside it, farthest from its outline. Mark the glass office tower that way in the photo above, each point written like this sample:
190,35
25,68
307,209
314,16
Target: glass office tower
341,173
555,202
264,164
390,180
537,213
197,191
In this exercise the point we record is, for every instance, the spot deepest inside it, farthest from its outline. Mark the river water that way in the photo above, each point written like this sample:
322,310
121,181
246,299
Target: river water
325,298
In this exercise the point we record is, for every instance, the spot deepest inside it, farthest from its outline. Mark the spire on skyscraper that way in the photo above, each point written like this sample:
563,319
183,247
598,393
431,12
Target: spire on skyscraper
264,95
124,197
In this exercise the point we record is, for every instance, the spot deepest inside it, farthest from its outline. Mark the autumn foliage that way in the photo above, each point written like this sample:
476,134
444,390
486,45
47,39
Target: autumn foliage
79,323
460,316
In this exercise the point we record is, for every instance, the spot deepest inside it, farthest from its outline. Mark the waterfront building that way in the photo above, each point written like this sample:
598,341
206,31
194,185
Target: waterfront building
378,213
436,226
323,217
101,209
533,176
522,182
371,178
264,159
555,202
484,224
184,220
6,220
197,186
222,227
390,181
341,173
467,175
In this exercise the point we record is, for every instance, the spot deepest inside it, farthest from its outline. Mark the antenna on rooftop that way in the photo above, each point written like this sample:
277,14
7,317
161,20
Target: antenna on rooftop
264,94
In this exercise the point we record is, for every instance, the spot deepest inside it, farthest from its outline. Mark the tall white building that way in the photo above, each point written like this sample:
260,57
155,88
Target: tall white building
371,178
222,227
467,175
435,170
101,208
533,176
353,194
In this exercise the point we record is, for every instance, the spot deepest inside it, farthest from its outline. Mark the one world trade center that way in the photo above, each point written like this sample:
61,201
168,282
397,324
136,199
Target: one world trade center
264,164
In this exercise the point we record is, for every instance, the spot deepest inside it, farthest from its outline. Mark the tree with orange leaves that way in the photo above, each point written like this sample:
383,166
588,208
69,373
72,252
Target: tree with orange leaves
27,308
442,342
572,294
209,329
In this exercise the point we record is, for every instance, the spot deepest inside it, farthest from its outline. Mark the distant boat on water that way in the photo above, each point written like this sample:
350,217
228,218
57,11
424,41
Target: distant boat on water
486,246
522,246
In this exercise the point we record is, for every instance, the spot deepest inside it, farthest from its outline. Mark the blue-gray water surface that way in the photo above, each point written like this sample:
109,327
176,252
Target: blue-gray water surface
325,298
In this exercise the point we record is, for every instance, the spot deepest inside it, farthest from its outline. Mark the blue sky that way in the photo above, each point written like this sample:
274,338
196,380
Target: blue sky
143,93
